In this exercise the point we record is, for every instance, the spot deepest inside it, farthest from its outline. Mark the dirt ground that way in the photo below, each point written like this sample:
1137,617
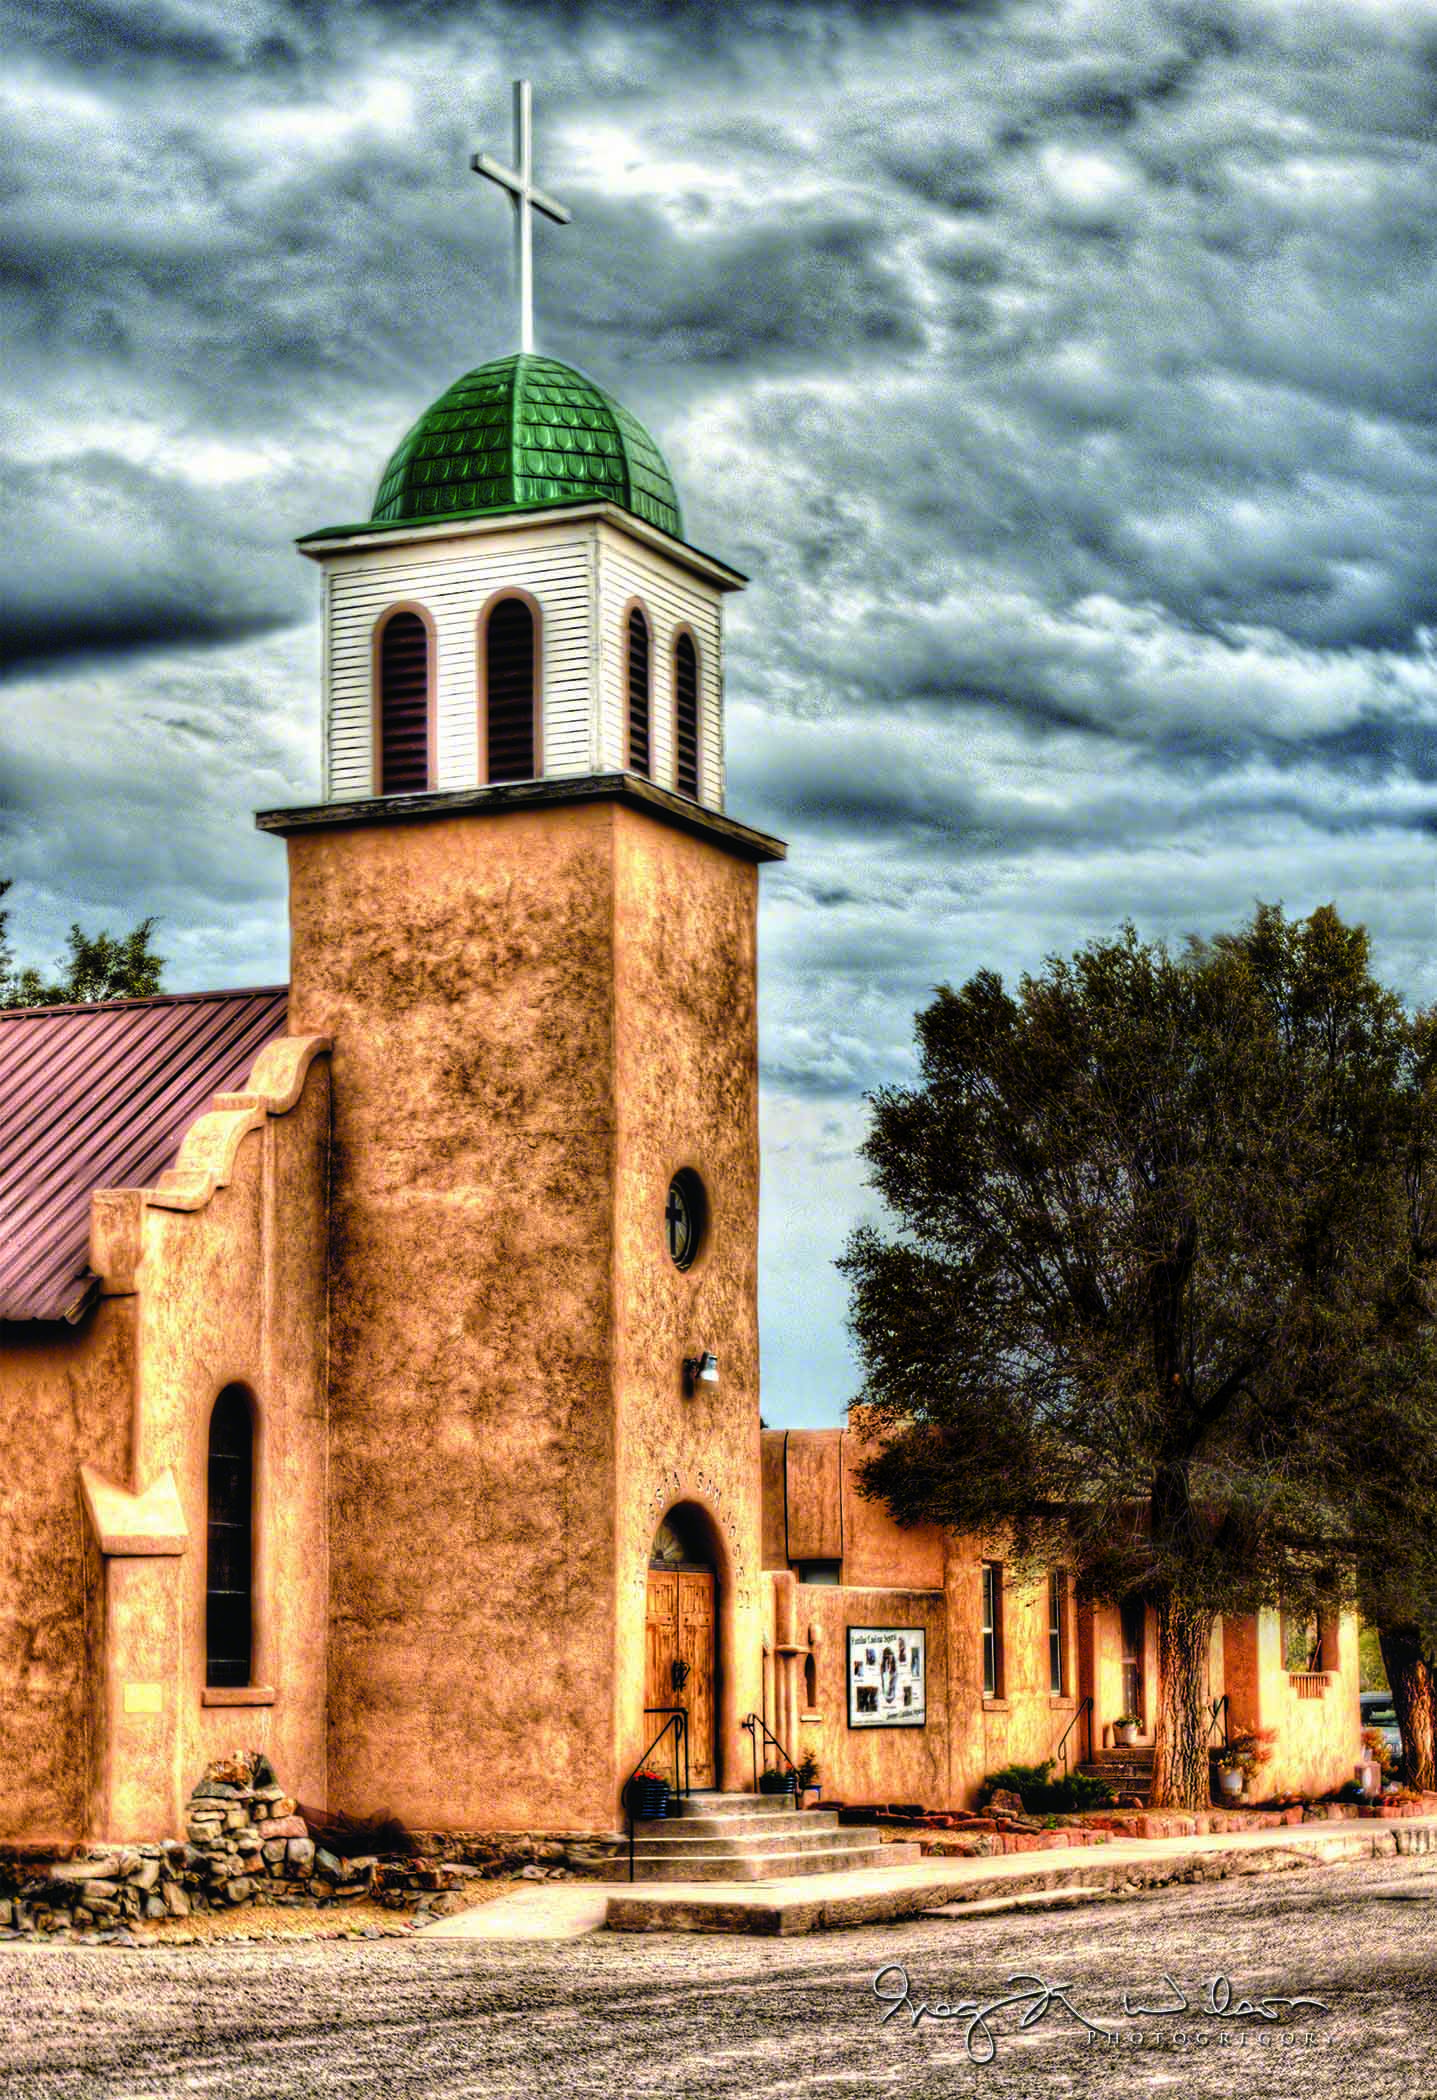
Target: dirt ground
620,2017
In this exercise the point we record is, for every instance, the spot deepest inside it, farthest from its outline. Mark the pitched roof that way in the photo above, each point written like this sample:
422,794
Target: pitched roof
99,1097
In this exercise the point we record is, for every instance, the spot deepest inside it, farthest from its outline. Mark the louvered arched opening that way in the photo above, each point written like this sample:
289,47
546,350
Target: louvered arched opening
511,687
229,1576
403,705
686,716
638,691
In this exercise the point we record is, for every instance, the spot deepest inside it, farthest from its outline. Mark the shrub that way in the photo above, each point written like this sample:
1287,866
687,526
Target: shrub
1040,1794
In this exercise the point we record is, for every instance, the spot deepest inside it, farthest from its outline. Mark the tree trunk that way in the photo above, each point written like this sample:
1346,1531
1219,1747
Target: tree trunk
1409,1672
1180,1746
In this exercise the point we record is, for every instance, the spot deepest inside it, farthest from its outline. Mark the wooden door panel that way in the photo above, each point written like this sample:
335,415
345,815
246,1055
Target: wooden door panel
696,1648
661,1633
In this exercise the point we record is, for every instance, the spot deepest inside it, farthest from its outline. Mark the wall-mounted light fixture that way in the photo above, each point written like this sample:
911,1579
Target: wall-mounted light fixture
700,1370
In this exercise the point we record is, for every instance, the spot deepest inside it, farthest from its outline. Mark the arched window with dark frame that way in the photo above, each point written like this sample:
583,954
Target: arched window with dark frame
510,692
403,672
686,716
638,691
229,1573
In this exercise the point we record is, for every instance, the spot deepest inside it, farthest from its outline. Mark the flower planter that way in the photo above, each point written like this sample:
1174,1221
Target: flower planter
1125,1736
648,1799
1229,1782
784,1782
810,1796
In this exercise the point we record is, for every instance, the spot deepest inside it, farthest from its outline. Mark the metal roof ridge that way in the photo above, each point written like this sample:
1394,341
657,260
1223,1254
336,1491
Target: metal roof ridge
110,1006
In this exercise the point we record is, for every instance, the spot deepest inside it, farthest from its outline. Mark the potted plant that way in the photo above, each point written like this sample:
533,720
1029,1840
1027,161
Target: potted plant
648,1796
807,1778
1125,1730
1242,1759
781,1779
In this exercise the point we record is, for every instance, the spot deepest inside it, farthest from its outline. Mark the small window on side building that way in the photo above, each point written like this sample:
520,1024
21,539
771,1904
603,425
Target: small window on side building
229,1575
992,1630
829,1573
1058,1632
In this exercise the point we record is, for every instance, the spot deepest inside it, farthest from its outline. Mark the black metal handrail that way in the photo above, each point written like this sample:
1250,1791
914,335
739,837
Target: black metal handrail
1219,1706
1085,1706
678,1720
753,1724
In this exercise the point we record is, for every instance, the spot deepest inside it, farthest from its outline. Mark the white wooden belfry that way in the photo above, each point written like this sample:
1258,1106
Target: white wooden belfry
583,565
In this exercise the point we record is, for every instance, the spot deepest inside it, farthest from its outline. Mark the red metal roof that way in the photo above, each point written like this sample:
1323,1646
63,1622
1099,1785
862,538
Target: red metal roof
99,1097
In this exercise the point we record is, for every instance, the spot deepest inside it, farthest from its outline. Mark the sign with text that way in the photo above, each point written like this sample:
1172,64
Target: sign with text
886,1667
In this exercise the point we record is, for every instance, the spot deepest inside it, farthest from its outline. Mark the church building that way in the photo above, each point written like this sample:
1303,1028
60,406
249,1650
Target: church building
379,1372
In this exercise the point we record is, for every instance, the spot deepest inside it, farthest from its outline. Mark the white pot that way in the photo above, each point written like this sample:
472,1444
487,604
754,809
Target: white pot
1229,1782
1125,1737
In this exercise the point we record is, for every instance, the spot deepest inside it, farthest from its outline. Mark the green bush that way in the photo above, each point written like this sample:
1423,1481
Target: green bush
1040,1794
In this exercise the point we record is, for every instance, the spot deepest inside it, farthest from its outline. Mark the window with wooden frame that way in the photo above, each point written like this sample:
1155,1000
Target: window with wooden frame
1058,1632
992,1630
403,669
511,690
686,716
1302,1643
229,1572
637,686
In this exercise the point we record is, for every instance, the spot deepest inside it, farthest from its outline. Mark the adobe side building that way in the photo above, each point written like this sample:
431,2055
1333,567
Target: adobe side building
379,1379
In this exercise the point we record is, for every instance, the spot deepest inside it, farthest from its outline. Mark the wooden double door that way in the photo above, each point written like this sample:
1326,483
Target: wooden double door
679,1630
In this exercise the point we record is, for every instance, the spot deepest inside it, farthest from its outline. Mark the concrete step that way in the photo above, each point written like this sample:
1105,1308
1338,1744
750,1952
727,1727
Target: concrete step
752,1827
709,1802
678,1846
772,1866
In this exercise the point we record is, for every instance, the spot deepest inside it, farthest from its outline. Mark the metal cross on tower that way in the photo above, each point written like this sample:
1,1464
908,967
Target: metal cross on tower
526,201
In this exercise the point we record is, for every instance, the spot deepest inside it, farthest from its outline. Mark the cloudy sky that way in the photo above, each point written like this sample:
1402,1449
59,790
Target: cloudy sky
1065,376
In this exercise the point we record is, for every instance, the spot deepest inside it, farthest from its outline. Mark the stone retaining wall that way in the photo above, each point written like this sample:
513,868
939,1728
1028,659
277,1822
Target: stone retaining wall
245,1842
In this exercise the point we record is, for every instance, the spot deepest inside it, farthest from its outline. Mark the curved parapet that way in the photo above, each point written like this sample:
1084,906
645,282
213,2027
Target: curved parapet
207,1155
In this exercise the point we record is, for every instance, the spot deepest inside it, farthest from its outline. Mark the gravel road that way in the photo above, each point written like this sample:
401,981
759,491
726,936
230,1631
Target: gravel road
628,2016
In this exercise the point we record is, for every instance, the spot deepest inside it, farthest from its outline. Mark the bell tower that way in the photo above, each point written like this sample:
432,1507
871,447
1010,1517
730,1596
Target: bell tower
527,923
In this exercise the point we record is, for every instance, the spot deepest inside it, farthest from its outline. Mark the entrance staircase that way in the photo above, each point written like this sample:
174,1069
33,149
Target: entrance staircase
1125,1771
744,1837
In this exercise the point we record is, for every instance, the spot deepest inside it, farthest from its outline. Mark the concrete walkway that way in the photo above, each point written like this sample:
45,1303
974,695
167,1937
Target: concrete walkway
561,1910
1019,1880
549,1910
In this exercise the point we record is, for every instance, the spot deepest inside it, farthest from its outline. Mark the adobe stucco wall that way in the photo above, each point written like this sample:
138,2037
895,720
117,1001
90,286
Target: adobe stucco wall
65,1399
102,1653
686,1059
1319,1737
537,1015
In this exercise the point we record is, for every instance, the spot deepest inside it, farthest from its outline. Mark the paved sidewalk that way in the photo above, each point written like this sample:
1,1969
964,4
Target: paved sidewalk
955,1887
827,1902
550,1910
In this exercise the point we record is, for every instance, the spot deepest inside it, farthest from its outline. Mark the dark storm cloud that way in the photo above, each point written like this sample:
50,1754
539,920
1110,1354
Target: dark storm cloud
1064,379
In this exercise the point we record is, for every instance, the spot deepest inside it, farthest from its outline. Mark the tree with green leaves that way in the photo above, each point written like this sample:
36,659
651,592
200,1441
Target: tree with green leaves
1148,1226
98,966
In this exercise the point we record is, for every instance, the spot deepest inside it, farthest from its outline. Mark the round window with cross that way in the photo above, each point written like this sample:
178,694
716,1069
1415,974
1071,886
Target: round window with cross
685,1215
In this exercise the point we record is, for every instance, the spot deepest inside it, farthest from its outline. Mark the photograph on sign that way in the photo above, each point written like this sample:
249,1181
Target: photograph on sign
886,1677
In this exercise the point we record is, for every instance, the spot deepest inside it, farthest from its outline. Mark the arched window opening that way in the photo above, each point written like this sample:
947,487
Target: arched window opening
638,655
686,716
403,705
229,1579
510,686
810,1681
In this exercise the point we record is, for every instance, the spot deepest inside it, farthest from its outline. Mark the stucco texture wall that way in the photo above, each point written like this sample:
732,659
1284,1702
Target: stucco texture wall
686,1060
102,1639
67,1400
537,1015
1316,1716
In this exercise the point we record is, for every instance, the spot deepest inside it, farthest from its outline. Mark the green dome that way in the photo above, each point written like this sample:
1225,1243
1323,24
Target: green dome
521,434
